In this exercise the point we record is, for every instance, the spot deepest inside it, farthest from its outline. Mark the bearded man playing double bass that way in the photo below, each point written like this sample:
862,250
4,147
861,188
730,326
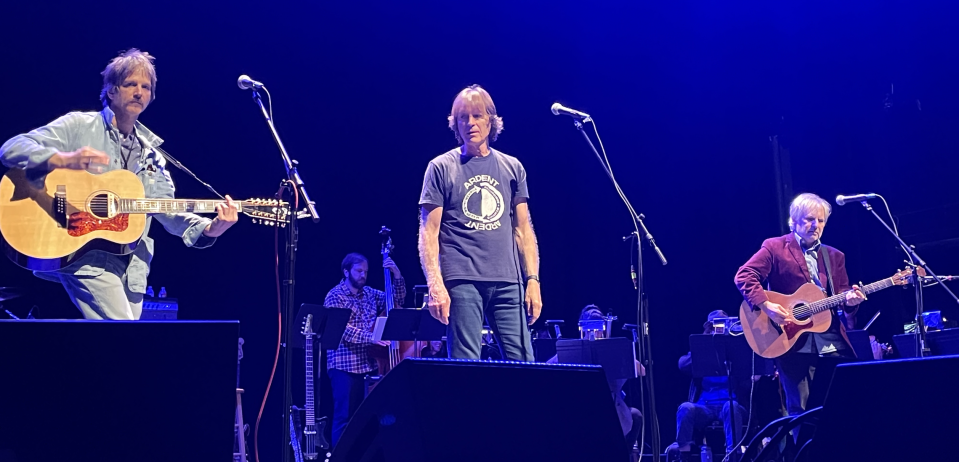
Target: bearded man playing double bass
351,361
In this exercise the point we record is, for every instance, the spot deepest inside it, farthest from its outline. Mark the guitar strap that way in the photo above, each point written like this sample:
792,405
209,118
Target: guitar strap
180,166
832,289
825,259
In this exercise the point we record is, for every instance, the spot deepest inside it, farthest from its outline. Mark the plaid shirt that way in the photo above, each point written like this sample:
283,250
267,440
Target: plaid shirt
352,355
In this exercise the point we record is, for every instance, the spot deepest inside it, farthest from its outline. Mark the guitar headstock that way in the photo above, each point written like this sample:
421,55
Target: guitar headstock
270,212
903,277
308,326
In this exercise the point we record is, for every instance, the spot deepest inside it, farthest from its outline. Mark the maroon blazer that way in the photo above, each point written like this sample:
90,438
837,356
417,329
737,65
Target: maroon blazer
781,263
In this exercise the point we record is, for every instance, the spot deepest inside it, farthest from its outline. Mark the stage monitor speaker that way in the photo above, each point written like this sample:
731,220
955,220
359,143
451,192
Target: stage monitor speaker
889,411
110,391
441,410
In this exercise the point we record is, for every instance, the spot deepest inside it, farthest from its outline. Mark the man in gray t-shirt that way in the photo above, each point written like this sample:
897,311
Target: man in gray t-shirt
477,245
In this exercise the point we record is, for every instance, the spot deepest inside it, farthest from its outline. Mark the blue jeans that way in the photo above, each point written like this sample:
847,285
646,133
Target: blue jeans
502,305
348,392
694,417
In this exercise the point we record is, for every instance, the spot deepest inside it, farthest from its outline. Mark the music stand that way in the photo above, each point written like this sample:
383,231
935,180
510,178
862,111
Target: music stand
859,340
616,355
719,355
412,324
328,324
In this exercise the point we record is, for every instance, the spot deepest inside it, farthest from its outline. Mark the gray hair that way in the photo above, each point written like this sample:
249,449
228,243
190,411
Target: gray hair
496,122
803,204
122,67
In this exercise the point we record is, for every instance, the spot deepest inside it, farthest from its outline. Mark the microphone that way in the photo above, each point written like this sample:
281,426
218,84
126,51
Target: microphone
246,83
559,109
632,272
841,200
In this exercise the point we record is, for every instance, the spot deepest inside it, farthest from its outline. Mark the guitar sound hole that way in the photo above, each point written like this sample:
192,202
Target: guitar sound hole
799,314
100,206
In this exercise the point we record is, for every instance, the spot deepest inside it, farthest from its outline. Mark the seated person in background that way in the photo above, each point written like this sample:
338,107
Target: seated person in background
630,418
708,402
434,349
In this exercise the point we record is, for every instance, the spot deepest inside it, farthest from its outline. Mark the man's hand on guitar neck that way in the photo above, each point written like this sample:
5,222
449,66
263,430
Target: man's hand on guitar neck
855,296
226,215
775,311
85,158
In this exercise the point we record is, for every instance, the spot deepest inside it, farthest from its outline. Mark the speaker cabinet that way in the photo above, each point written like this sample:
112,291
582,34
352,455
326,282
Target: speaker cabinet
889,411
445,410
116,390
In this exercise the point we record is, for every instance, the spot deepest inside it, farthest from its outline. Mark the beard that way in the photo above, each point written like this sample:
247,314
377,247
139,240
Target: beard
356,284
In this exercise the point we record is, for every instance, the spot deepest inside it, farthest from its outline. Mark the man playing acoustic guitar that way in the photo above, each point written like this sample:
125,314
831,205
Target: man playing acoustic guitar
786,263
104,285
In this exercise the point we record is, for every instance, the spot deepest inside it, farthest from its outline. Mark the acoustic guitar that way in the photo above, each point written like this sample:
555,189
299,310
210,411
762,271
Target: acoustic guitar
808,310
74,212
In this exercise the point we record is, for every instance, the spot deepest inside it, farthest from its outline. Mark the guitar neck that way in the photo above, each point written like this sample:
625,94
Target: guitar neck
838,299
308,352
174,205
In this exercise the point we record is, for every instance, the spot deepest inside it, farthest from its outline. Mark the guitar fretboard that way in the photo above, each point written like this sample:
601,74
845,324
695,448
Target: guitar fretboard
838,299
308,352
174,205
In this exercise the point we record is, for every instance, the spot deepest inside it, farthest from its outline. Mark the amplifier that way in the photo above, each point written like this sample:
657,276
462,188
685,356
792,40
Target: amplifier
159,308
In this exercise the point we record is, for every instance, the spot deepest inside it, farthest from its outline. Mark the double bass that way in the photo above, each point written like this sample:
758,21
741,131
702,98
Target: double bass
388,357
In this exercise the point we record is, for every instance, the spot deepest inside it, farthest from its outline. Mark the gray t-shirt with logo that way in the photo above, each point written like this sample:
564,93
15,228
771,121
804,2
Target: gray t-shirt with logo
476,230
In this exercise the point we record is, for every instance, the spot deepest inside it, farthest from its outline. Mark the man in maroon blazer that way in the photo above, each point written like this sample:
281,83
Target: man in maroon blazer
787,262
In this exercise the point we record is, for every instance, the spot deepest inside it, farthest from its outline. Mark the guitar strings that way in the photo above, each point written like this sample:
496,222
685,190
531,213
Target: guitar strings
814,307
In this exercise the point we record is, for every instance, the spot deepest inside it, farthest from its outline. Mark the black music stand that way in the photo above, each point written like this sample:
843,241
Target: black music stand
328,324
412,324
719,355
859,340
616,355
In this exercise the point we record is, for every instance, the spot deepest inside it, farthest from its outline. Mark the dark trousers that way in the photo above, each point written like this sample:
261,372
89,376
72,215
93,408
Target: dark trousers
502,305
694,417
348,393
796,373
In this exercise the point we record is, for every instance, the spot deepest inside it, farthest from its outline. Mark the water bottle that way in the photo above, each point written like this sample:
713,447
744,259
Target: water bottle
149,291
705,454
162,292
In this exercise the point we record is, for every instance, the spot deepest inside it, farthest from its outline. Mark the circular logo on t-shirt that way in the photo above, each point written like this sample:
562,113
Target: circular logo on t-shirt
483,203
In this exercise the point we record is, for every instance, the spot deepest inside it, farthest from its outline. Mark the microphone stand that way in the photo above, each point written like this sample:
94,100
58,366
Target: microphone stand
294,183
642,309
917,281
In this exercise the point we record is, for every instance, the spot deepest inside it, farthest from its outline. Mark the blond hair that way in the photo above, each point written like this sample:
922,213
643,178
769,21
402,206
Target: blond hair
496,122
122,67
803,204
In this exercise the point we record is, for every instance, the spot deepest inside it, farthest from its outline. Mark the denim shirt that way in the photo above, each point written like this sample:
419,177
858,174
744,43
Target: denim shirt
95,129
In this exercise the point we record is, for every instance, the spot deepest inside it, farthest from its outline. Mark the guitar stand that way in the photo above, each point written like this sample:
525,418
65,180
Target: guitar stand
328,324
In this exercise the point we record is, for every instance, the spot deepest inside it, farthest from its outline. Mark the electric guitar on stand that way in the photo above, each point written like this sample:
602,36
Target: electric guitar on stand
240,430
307,437
808,310
47,227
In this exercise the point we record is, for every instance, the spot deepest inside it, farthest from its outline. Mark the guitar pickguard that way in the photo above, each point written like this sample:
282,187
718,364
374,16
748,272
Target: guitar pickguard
81,223
792,329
